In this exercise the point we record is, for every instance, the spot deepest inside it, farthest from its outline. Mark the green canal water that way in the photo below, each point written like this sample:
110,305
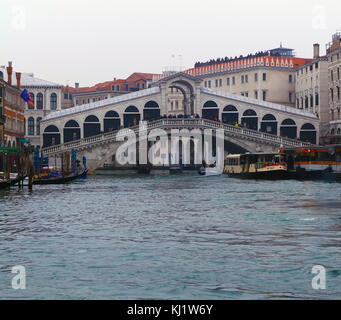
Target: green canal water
171,237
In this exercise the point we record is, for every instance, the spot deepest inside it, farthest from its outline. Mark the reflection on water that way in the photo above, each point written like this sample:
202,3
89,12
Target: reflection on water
171,237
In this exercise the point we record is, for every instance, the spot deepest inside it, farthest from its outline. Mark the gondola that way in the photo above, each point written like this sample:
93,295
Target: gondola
60,180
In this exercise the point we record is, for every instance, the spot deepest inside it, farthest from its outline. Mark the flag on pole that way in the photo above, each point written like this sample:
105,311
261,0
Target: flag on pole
27,97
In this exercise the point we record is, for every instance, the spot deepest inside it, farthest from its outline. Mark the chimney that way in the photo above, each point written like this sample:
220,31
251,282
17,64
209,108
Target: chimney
77,85
18,76
9,72
316,50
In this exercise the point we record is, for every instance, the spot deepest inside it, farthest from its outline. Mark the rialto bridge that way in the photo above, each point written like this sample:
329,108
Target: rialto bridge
91,128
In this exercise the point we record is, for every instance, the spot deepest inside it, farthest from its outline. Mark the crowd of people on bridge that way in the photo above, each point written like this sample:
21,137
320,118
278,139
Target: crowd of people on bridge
226,59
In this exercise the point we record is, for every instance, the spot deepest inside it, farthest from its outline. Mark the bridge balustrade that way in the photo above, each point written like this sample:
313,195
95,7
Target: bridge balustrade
173,124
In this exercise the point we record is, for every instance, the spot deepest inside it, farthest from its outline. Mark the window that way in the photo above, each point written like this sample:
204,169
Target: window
256,94
209,83
40,101
316,65
228,81
233,80
290,78
246,78
66,96
53,101
246,94
205,84
256,77
216,82
220,82
38,126
311,101
332,94
317,99
290,96
331,75
264,76
30,126
264,94
338,93
242,79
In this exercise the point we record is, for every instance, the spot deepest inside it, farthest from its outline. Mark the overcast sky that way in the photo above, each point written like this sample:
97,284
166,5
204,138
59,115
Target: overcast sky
91,41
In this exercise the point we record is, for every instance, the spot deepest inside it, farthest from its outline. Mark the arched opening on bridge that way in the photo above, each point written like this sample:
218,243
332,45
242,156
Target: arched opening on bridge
230,115
72,131
308,133
131,116
92,127
151,111
288,129
210,110
51,136
269,124
180,96
250,119
112,121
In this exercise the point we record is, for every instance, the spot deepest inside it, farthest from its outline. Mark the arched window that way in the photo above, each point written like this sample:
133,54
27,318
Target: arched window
131,116
38,126
51,136
288,122
288,129
151,111
230,108
71,131
131,109
112,121
250,119
269,124
30,126
308,133
210,110
40,101
230,115
92,126
210,104
53,101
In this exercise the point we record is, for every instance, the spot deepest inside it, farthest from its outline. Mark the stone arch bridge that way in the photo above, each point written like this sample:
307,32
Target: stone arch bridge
93,129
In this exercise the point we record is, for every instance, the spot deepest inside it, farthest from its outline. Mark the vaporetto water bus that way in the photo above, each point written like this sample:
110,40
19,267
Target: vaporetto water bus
314,163
257,166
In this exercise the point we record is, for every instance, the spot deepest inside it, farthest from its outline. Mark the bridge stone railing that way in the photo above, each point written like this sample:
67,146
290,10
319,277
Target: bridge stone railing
229,130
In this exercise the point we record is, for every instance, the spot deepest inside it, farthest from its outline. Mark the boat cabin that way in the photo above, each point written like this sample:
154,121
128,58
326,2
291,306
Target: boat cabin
254,162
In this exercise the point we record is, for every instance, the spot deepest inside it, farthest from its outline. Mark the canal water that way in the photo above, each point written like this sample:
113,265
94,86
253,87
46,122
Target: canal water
171,237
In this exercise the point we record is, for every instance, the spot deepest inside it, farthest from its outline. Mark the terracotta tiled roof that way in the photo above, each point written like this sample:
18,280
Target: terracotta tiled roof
107,85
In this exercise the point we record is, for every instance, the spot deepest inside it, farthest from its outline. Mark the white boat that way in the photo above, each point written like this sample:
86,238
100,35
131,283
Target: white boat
210,171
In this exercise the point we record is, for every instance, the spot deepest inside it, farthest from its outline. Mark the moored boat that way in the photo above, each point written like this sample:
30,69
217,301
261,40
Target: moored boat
317,163
270,166
60,179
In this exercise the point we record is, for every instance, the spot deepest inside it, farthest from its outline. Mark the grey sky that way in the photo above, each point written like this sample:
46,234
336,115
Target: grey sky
94,41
